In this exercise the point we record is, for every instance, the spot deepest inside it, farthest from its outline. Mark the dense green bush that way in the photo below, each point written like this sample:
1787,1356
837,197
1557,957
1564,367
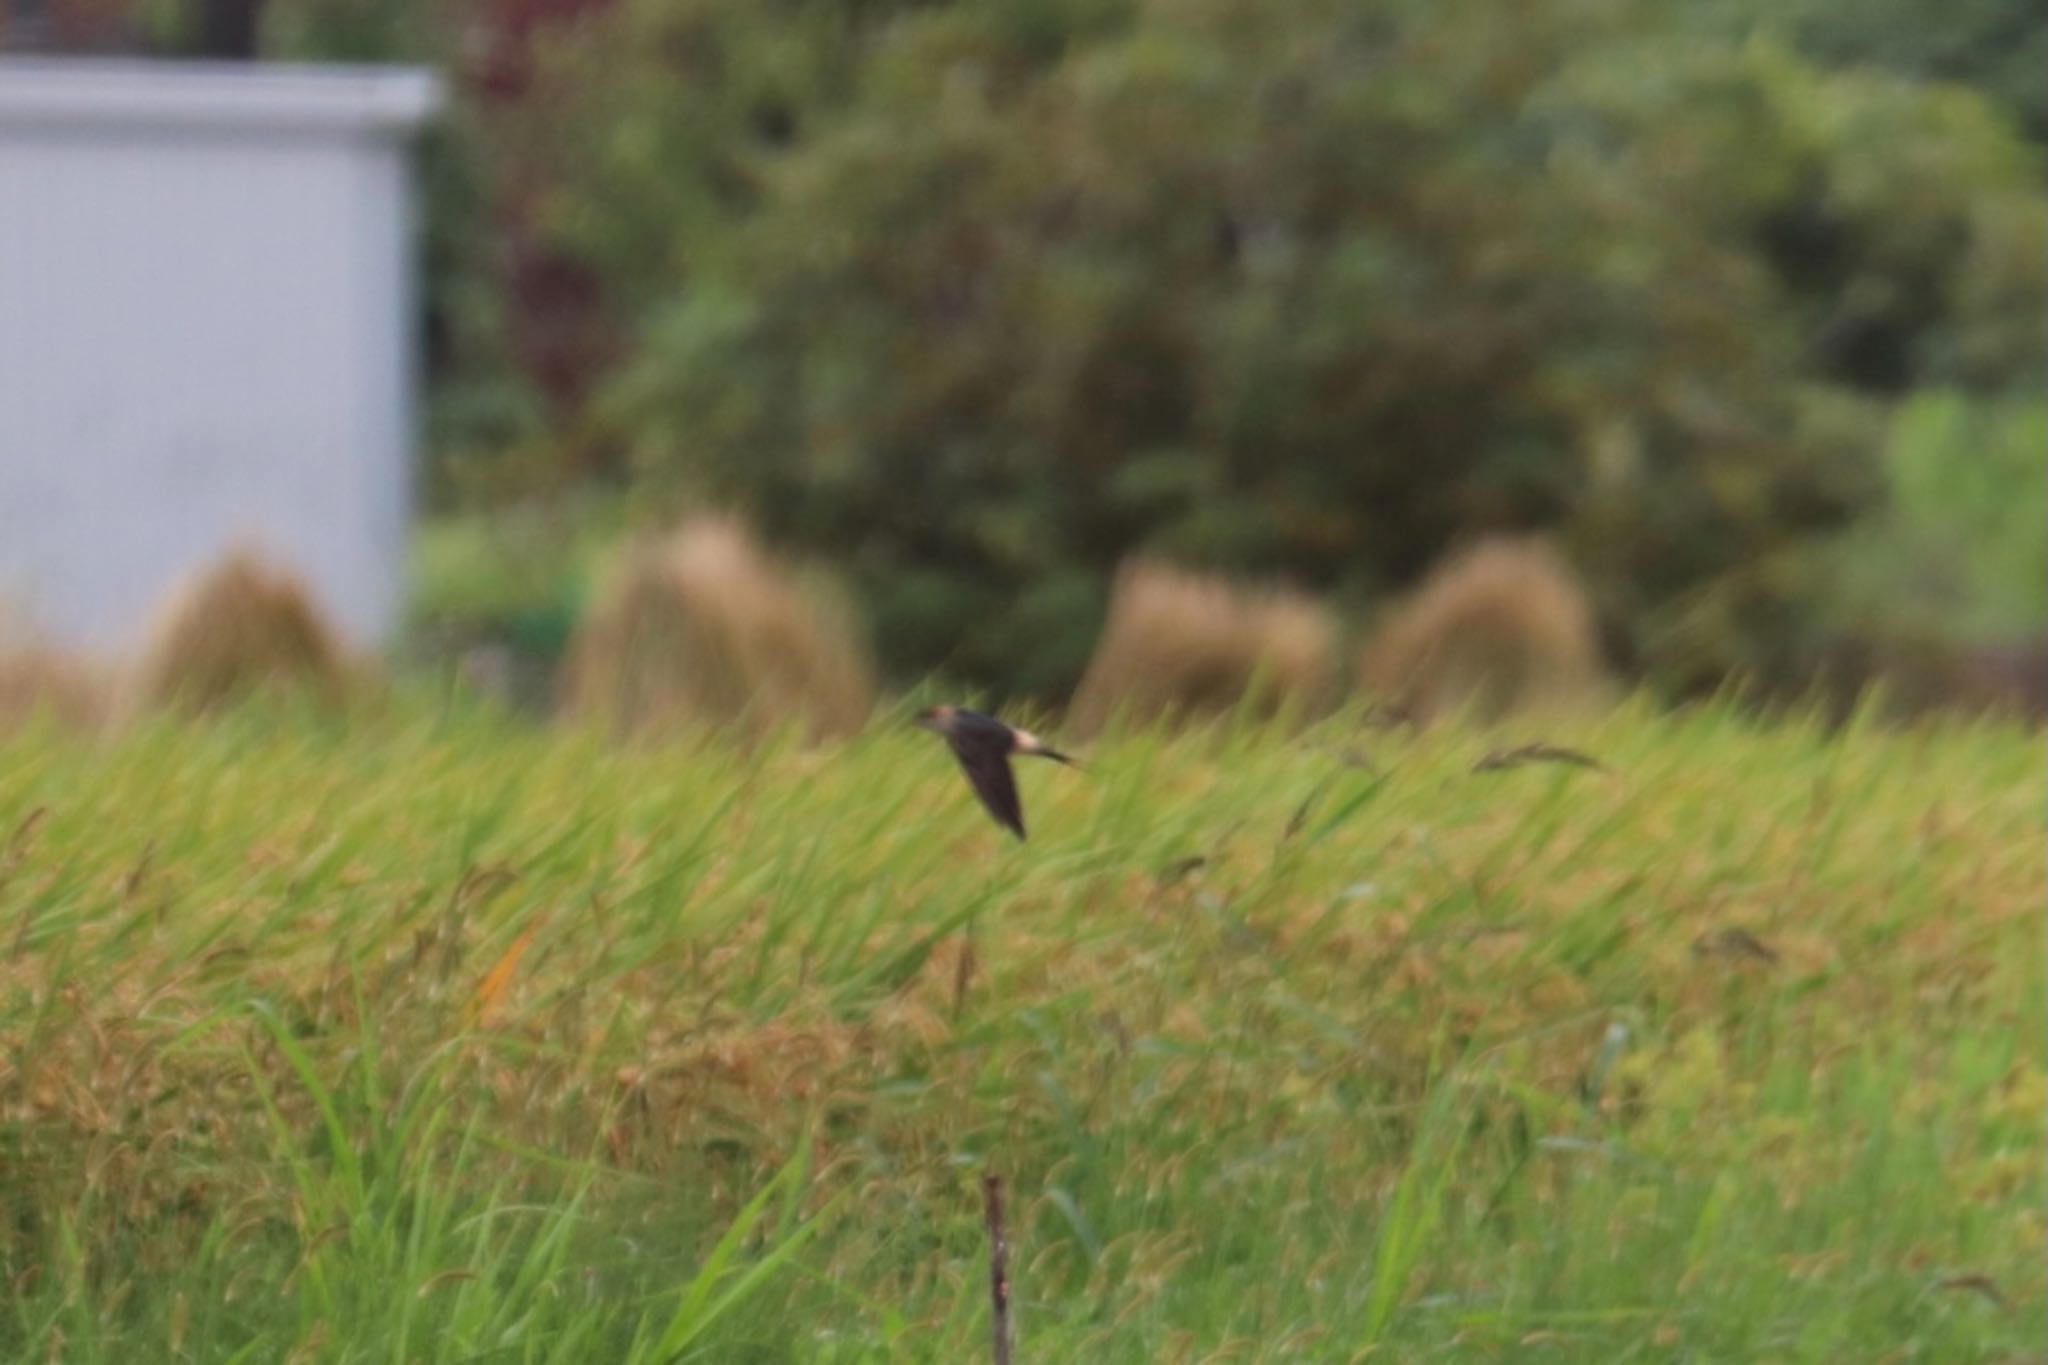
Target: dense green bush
978,298
2000,47
1960,546
982,298
1903,224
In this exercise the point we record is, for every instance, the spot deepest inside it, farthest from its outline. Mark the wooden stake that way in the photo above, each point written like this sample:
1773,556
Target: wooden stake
998,1267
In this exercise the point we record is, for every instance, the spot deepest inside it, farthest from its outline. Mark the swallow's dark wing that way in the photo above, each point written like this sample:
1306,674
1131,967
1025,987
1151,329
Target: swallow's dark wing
988,768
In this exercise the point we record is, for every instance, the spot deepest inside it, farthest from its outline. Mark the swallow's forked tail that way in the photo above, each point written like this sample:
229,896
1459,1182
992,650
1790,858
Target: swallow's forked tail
1032,746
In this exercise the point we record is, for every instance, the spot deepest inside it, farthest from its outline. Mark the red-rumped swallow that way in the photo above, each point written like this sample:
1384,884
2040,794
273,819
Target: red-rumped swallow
983,745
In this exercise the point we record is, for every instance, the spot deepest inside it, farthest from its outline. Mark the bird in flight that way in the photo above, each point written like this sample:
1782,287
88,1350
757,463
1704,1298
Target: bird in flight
983,745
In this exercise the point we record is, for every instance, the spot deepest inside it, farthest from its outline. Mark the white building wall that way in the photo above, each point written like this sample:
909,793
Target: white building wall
206,334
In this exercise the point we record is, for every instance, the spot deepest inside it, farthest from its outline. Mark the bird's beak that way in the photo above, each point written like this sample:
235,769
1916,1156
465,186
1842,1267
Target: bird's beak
927,720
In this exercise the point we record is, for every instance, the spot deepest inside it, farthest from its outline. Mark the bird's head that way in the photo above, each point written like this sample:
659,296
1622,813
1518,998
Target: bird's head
939,718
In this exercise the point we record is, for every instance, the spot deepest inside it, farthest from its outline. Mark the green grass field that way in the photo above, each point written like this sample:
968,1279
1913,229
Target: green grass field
434,1038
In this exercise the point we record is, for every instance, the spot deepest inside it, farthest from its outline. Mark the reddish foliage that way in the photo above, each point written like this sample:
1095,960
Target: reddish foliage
501,38
558,329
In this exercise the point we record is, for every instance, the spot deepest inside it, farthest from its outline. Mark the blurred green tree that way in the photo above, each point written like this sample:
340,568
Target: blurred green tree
1960,545
1999,47
981,298
977,298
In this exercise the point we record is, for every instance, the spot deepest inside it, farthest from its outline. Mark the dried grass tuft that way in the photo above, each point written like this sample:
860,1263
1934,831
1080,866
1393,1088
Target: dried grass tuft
1185,645
1503,628
39,680
704,628
243,628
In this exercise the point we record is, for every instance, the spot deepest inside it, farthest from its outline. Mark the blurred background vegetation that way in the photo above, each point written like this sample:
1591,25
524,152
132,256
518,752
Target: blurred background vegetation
1741,301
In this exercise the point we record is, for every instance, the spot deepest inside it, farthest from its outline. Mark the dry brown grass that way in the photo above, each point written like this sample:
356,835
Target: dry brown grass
38,679
244,627
703,627
1179,644
1504,627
